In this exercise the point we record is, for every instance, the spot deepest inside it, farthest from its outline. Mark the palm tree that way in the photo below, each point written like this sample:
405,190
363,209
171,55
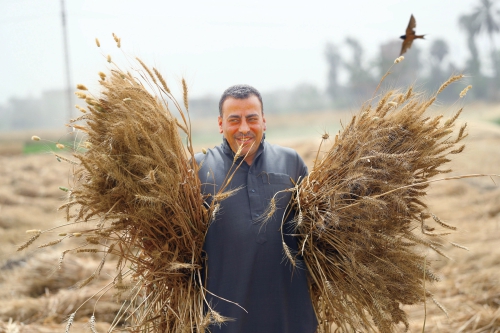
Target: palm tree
360,78
334,61
439,50
470,24
485,19
495,59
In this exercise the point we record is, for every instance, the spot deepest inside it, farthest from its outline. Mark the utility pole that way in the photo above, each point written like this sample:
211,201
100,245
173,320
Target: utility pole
66,60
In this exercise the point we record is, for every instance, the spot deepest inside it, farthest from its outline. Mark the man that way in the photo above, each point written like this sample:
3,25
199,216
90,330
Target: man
247,276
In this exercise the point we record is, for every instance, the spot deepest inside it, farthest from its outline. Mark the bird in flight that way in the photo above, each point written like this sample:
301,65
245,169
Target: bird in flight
410,35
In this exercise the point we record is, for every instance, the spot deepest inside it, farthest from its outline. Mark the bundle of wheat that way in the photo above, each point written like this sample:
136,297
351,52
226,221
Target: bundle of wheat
360,219
136,195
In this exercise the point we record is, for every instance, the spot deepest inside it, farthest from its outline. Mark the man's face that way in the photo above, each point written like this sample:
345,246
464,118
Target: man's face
243,124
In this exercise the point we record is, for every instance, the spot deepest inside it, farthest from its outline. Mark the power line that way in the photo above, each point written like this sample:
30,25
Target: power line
66,59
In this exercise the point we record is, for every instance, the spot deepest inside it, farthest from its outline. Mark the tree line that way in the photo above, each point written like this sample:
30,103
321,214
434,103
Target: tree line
363,77
350,80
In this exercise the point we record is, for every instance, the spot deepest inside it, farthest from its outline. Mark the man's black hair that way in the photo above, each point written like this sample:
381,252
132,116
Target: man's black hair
240,91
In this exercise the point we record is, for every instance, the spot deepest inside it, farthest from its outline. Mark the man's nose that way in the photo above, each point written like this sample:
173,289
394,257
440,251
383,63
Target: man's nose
244,128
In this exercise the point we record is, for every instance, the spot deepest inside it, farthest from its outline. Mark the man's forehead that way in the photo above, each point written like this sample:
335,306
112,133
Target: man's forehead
234,102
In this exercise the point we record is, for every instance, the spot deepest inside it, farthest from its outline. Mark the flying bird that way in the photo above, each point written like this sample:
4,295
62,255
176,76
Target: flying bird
410,35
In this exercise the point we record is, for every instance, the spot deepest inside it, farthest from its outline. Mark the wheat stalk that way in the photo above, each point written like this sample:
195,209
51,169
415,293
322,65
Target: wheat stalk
135,190
361,209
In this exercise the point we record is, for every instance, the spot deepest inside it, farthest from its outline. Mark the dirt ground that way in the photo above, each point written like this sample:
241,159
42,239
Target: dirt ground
36,297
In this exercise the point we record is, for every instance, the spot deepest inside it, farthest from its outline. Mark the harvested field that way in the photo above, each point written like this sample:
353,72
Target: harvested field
37,297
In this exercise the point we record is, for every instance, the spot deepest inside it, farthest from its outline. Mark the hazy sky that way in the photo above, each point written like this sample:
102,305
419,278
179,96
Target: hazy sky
270,44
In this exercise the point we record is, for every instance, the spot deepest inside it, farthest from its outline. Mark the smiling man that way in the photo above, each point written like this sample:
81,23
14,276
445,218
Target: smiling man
245,273
243,124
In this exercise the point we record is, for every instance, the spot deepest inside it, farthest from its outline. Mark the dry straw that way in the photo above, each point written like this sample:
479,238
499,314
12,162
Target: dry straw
136,195
364,225
142,187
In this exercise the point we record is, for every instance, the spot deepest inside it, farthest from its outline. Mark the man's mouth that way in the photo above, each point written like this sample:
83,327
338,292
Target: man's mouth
244,140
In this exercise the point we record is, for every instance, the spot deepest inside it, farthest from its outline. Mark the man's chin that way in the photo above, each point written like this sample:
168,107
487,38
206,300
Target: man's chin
243,151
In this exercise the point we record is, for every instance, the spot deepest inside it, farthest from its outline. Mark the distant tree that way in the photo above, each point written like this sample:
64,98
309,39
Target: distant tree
482,18
5,118
361,81
473,65
357,52
203,106
486,18
334,60
440,72
306,97
26,113
438,51
402,74
49,111
472,28
388,52
303,97
495,60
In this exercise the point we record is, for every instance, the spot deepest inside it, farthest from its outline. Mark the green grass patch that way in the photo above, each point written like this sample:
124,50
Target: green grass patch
496,121
40,147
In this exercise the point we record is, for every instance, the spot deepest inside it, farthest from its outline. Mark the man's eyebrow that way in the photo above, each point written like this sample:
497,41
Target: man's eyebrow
236,116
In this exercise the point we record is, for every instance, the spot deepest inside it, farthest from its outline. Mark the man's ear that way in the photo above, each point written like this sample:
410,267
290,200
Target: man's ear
220,124
264,120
